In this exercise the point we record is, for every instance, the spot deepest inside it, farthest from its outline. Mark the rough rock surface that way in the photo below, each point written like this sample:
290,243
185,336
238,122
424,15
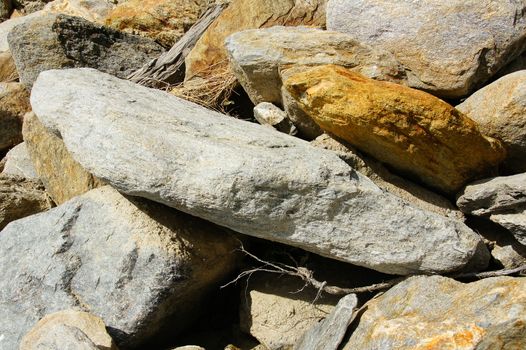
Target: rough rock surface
277,316
500,111
257,57
14,103
502,199
135,264
92,326
6,7
61,337
19,198
410,130
244,176
63,177
411,192
329,333
8,72
18,163
164,21
452,46
270,115
441,313
91,10
210,53
61,41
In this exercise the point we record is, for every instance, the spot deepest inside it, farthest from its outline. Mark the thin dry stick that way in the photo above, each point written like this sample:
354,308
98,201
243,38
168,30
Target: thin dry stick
308,277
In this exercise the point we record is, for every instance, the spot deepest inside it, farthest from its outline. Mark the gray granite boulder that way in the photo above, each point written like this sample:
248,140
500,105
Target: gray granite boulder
60,41
136,264
502,199
244,176
452,46
19,163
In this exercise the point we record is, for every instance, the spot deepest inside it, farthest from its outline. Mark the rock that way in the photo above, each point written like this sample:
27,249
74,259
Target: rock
329,333
410,130
500,111
258,56
61,337
409,191
134,263
91,10
18,163
440,313
19,198
453,47
63,177
8,72
63,41
269,115
90,325
243,176
506,251
164,21
277,316
502,199
189,347
14,103
210,53
26,7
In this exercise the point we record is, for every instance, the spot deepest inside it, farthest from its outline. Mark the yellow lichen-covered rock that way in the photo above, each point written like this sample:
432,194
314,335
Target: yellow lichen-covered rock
162,20
412,131
62,176
210,53
439,313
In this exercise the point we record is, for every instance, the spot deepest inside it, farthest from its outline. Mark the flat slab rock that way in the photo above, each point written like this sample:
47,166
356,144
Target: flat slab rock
135,264
452,46
502,199
441,313
244,176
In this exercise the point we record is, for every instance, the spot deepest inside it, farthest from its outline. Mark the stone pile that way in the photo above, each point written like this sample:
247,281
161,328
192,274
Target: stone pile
129,217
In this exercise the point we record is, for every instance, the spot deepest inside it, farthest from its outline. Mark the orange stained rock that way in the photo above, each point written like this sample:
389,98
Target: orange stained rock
465,339
412,131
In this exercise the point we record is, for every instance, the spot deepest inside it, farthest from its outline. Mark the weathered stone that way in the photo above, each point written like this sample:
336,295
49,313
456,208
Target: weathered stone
276,314
410,130
8,72
441,313
502,199
411,192
164,21
329,333
90,325
136,264
5,9
63,177
14,103
61,41
257,57
20,197
18,163
269,115
91,10
243,176
453,46
61,337
500,112
209,53
25,7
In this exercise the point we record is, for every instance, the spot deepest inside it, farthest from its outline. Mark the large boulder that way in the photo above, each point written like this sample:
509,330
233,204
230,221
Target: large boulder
410,130
500,111
62,41
19,163
90,325
164,21
257,57
20,197
244,176
61,337
453,46
136,264
63,177
209,53
502,199
441,313
14,103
